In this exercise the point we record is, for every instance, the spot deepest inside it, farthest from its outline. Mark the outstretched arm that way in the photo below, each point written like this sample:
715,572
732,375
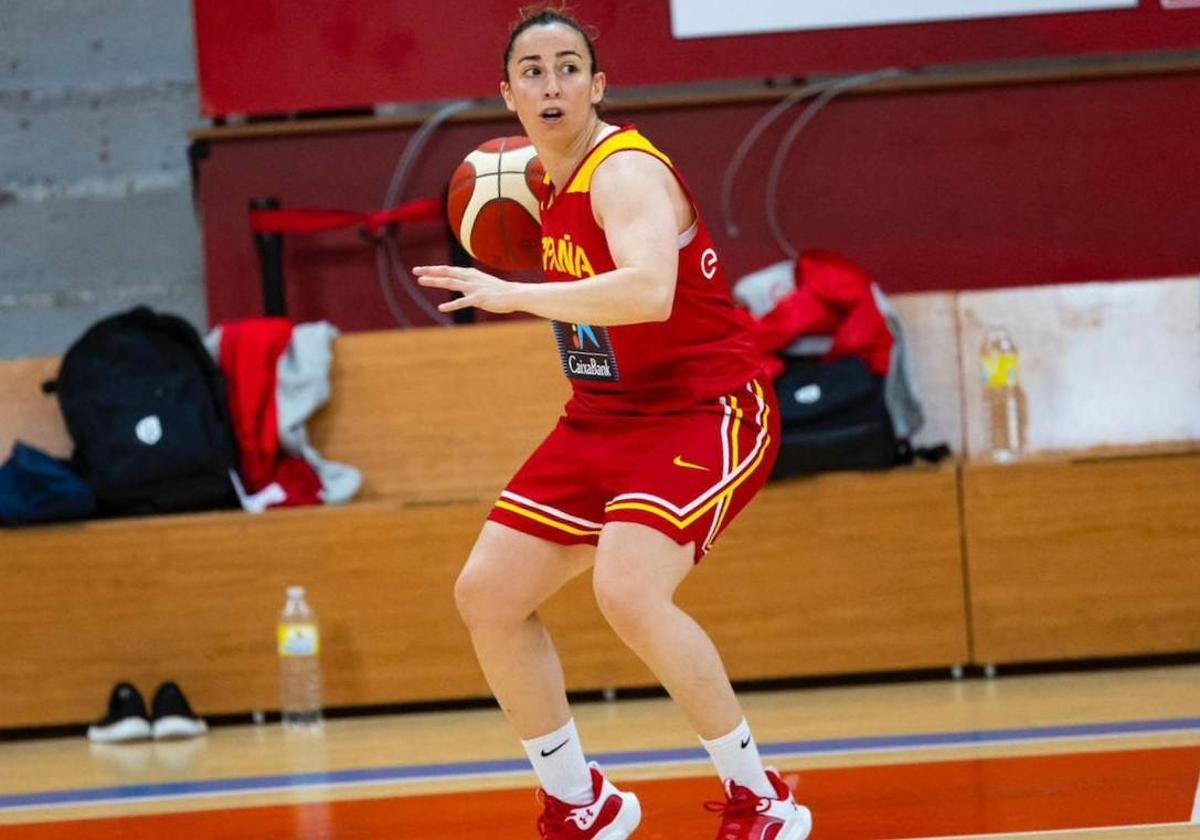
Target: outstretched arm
635,198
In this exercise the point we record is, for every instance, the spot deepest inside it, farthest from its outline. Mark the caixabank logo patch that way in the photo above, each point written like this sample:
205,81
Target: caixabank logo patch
586,352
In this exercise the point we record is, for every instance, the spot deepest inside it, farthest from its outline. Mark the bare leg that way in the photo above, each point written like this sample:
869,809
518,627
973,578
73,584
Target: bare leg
636,575
508,575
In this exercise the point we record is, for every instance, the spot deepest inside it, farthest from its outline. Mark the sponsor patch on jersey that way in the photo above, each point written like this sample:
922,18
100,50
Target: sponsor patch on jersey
586,352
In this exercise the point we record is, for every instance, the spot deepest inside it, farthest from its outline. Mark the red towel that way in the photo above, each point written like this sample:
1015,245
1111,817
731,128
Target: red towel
250,352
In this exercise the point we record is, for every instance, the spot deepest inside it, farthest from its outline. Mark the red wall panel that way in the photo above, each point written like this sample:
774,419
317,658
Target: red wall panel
976,188
279,56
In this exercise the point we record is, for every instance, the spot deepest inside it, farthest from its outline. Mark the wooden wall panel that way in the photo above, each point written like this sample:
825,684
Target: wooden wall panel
840,573
843,573
195,599
26,414
800,585
436,414
1086,558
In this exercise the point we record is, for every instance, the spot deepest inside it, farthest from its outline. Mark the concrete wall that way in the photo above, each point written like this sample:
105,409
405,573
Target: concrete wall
96,99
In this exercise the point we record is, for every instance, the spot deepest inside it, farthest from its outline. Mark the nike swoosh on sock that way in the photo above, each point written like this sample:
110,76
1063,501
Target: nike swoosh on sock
548,753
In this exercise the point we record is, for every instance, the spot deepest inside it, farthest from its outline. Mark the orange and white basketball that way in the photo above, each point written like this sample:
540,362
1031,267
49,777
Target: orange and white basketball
493,204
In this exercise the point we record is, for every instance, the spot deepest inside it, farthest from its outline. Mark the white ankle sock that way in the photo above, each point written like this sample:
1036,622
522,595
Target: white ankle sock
558,761
736,757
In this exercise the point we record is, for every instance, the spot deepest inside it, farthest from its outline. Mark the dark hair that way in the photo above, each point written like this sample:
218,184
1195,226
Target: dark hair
544,15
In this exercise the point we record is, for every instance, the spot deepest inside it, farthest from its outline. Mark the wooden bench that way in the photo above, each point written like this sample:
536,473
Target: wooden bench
836,574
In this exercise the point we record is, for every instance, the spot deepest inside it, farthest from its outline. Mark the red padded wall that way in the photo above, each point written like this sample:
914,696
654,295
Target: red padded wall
279,56
1045,183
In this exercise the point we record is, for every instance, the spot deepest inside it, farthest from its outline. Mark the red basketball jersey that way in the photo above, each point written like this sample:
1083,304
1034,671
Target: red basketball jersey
700,353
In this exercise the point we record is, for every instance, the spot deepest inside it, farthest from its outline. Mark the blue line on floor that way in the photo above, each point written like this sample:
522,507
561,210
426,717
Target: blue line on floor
424,772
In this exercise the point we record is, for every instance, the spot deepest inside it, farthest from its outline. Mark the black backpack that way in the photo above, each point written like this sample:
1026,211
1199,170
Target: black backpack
833,417
146,407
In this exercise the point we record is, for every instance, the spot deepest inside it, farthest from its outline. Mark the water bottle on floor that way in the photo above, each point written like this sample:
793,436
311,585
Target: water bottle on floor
999,365
299,662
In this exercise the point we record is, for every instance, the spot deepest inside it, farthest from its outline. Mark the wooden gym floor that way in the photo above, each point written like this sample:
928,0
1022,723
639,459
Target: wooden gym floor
1106,753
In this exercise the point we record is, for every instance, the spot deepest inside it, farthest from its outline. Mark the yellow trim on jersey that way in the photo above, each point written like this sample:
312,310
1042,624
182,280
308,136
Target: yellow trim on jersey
545,520
618,142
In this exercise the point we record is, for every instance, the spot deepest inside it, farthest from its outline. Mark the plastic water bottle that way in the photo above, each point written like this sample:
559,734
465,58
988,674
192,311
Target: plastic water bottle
299,641
999,365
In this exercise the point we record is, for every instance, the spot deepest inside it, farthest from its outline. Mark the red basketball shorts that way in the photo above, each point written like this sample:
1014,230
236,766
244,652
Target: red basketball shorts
686,475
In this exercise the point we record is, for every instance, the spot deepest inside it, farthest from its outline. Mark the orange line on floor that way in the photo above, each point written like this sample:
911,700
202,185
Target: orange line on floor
1033,793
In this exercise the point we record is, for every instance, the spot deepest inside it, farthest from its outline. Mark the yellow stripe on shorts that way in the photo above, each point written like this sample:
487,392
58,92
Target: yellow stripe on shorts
546,520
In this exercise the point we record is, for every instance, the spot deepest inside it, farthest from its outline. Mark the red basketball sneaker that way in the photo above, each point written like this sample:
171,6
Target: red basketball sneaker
747,816
612,815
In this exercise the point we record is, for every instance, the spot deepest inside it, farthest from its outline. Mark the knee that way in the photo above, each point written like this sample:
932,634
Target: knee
626,607
475,596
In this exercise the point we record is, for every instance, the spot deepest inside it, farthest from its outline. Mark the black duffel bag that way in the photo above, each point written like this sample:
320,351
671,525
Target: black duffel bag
834,417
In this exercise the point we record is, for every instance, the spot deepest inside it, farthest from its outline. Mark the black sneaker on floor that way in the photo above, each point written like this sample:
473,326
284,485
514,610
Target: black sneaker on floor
173,715
126,719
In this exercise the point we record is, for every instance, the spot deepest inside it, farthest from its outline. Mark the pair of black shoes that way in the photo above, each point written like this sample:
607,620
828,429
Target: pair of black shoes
127,719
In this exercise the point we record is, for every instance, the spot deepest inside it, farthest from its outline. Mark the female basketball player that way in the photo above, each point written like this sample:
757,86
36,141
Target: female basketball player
667,435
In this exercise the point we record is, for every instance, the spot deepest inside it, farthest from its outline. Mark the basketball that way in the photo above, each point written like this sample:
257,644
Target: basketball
493,206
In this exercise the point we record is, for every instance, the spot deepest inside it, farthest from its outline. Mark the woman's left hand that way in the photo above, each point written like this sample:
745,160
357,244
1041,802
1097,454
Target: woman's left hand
483,291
